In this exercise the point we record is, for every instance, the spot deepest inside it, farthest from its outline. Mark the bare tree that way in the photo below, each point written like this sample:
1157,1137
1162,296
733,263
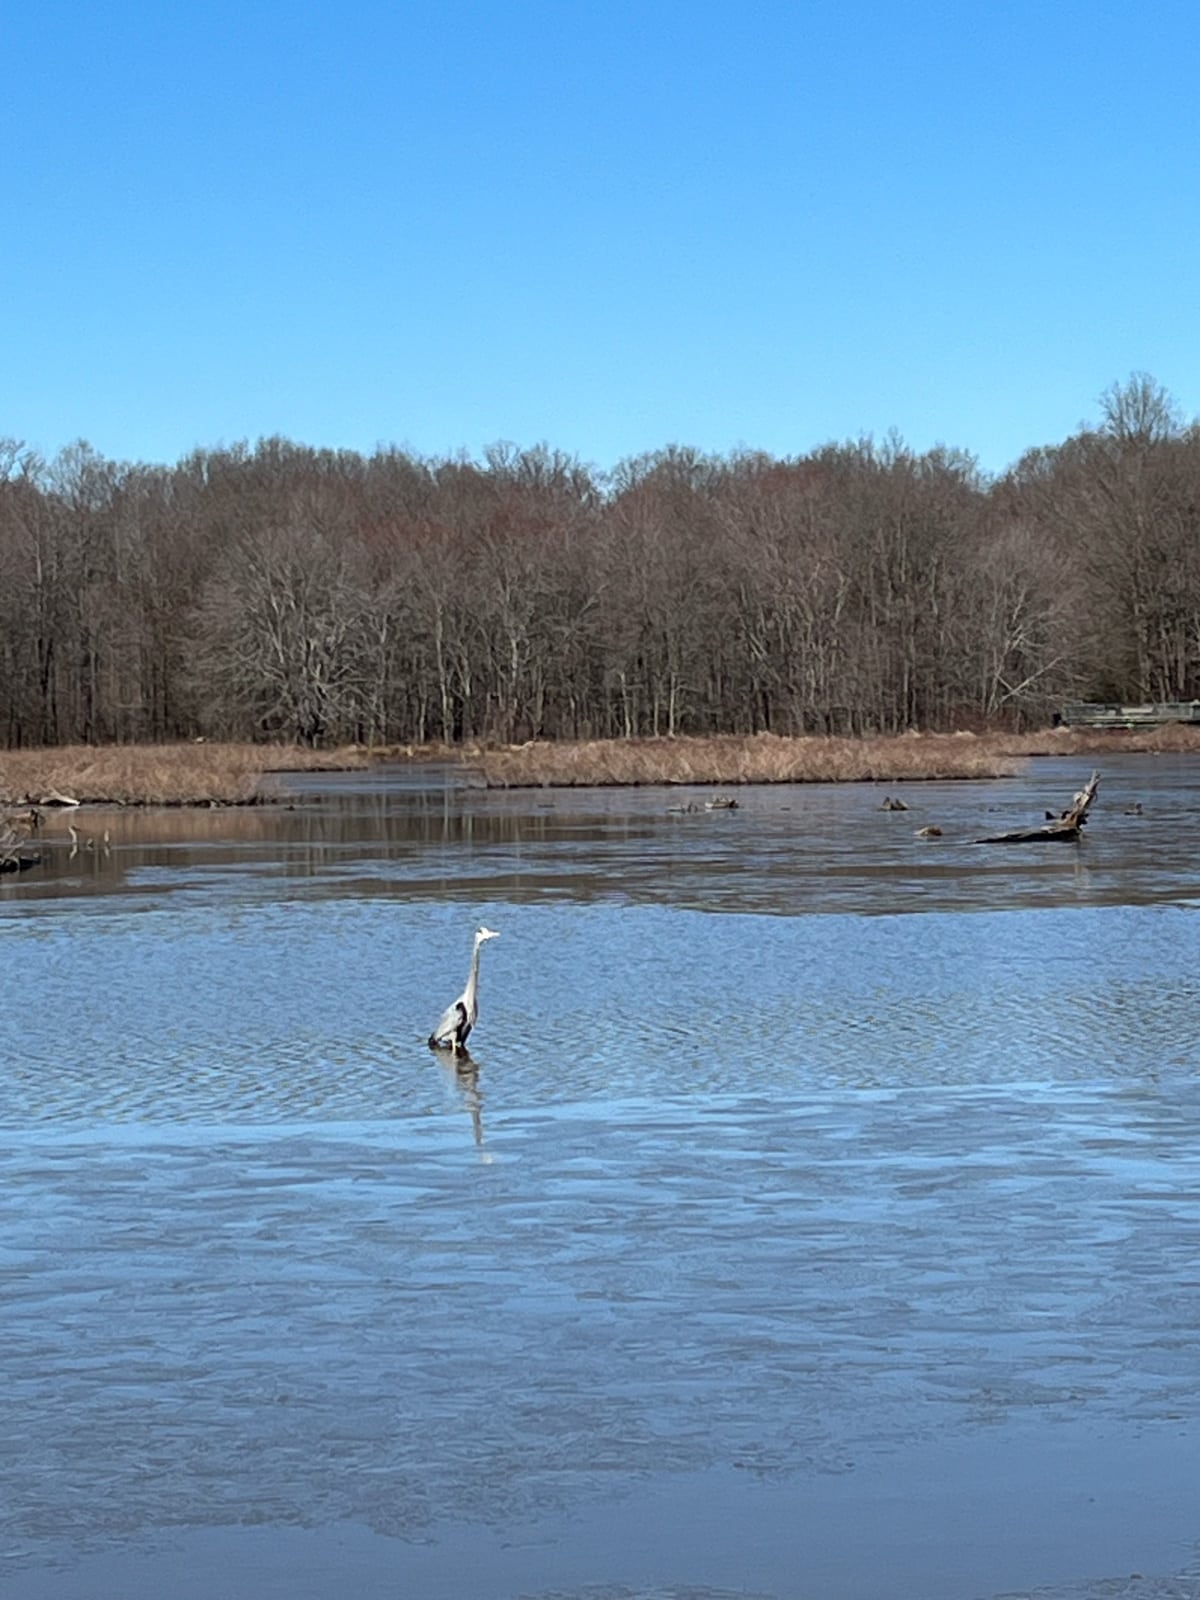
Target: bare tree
277,590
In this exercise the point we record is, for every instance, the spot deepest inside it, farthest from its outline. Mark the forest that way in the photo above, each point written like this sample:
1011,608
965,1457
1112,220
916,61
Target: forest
281,592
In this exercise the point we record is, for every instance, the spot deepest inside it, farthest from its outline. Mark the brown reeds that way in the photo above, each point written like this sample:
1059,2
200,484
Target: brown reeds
202,774
766,758
157,775
1171,738
730,759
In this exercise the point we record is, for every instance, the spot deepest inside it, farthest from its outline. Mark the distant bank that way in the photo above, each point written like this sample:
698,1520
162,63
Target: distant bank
202,774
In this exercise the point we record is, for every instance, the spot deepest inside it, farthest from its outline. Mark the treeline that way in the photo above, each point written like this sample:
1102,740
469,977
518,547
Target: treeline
279,591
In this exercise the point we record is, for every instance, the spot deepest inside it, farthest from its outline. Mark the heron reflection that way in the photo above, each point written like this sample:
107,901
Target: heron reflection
463,1074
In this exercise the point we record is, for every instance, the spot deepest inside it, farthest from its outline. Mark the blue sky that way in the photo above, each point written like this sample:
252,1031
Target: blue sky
607,226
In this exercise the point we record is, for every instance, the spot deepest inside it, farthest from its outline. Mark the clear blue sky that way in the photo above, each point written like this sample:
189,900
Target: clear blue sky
609,226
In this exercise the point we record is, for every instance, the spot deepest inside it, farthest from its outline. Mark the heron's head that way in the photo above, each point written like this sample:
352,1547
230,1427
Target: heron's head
482,935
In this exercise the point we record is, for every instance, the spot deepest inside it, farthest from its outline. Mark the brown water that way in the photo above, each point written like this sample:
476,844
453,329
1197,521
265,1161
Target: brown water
819,1217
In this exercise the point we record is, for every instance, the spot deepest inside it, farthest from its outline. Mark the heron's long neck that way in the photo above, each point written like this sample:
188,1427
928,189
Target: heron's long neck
473,978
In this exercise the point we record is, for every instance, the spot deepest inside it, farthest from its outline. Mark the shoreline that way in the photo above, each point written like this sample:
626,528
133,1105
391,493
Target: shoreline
201,775
196,774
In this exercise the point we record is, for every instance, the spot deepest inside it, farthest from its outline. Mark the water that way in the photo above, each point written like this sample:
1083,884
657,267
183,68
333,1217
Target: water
817,1218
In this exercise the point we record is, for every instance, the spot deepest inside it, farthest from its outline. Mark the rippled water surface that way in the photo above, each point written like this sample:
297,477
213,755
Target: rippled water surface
818,1217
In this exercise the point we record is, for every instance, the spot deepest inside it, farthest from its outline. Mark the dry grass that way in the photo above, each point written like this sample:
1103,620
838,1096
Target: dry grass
1173,738
730,759
158,775
238,774
435,750
765,758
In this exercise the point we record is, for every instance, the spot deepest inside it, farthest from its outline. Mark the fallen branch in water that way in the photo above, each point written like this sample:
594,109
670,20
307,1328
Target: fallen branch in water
1066,828
16,855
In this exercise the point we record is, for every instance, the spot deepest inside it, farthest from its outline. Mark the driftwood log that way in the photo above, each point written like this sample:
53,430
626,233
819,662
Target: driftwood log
16,855
1066,826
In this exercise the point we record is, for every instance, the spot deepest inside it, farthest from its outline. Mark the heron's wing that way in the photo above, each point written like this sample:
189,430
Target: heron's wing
451,1021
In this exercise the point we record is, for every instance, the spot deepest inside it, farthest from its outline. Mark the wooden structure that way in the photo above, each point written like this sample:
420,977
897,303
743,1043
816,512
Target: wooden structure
1086,714
1065,828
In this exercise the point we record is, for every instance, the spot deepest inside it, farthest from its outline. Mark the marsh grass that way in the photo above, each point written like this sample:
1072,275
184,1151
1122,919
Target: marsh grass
204,774
1172,738
729,759
767,758
158,775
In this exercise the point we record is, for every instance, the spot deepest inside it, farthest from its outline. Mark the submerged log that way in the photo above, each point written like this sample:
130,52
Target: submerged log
19,863
1065,827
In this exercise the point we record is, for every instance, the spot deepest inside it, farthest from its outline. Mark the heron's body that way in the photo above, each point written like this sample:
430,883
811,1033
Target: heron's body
458,1019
